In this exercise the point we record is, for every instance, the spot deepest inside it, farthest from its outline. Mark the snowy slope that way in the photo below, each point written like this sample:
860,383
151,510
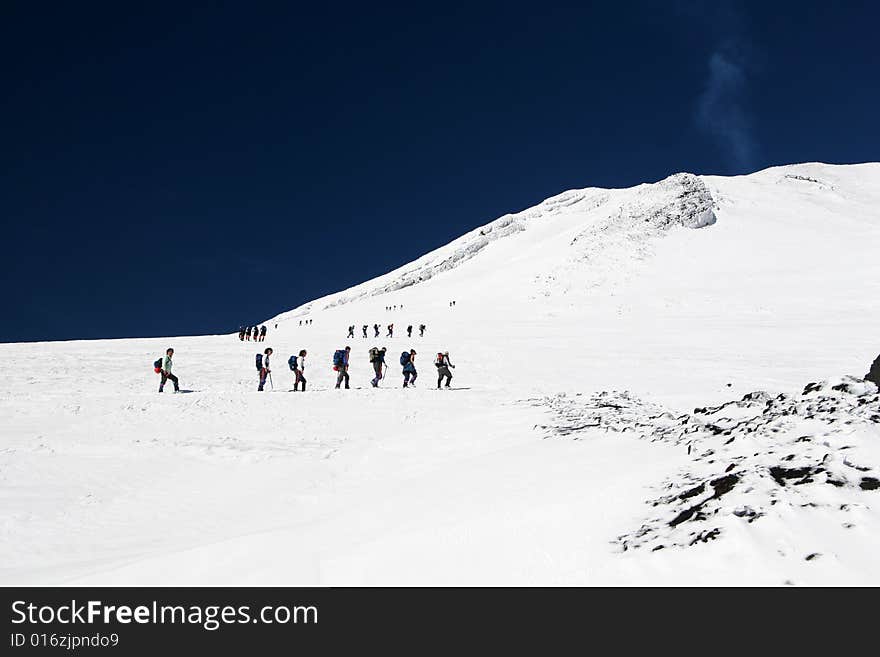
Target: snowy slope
586,331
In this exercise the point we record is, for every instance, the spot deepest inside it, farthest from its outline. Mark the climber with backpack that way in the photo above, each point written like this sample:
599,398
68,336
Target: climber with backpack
390,331
164,366
340,364
407,359
443,365
364,329
241,333
376,329
297,366
350,331
377,360
263,333
262,361
409,331
422,328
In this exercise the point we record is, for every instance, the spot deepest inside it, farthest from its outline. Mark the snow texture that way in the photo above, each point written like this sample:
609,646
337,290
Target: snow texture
655,385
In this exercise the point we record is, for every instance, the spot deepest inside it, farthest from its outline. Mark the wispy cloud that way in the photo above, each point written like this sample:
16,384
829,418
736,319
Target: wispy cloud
722,110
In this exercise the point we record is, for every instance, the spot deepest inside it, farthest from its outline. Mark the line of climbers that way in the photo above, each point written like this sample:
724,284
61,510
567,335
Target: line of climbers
297,364
258,333
389,328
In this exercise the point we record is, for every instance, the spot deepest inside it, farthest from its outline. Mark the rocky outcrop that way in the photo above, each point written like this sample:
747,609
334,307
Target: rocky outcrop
748,458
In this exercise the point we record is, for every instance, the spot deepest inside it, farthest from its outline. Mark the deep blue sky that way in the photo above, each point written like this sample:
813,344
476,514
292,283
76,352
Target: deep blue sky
170,170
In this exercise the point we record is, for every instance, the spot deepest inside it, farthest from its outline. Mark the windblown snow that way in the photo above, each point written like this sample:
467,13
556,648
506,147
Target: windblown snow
656,385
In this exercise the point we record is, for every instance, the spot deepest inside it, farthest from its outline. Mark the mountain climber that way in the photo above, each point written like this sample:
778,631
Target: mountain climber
263,333
340,364
377,359
364,329
376,329
443,365
263,367
409,331
241,333
407,359
298,365
390,331
422,328
350,331
166,371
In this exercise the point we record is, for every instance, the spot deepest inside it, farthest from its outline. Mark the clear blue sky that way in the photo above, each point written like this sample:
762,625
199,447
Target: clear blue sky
169,169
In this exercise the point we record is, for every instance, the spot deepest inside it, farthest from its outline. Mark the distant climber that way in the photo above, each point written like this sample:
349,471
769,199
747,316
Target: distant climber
298,366
263,368
422,328
263,333
241,333
364,329
443,365
390,331
377,360
165,371
350,331
407,359
340,364
247,333
376,329
409,331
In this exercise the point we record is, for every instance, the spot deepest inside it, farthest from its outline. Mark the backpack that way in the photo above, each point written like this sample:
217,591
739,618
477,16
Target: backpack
292,363
259,362
338,359
374,354
404,358
157,366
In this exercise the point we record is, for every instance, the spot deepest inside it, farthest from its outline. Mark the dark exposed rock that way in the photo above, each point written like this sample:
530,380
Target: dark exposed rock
685,515
873,374
780,474
869,483
724,484
697,490
705,537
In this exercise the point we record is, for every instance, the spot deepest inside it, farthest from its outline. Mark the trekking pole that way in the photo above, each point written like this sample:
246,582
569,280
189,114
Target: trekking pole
271,383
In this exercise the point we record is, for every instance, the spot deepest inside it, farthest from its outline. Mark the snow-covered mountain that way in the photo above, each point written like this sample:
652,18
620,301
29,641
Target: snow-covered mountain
653,385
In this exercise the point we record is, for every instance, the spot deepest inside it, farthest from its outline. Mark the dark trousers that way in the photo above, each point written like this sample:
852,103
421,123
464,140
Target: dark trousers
409,376
168,376
263,374
299,379
442,372
343,375
377,368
